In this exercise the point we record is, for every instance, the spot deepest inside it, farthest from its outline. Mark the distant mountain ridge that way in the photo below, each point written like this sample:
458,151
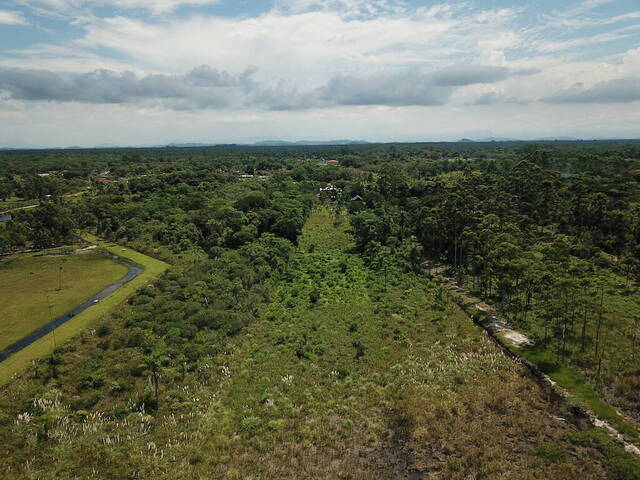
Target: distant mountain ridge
284,143
506,139
272,143
302,143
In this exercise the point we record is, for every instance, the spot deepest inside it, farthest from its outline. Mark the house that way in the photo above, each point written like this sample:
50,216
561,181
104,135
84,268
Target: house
5,216
333,162
329,192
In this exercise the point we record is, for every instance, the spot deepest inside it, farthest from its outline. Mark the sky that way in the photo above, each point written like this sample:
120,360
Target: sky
147,72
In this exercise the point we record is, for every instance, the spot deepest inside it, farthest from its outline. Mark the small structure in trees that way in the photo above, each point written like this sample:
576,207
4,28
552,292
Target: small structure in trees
329,192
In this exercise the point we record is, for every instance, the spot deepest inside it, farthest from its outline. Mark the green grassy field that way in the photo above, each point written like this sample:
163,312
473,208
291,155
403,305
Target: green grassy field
44,346
29,284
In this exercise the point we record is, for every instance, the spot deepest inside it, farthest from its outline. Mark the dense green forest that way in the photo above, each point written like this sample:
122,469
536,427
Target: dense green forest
298,332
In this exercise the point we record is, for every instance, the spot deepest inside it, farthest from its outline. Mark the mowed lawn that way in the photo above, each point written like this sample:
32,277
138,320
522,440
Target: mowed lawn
26,282
44,346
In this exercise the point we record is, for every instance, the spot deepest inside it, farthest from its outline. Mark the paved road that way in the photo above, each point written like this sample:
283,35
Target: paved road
42,331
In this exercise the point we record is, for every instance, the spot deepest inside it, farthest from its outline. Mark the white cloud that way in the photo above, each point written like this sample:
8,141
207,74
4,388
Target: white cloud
578,42
618,90
631,62
377,69
59,58
156,7
205,88
307,48
347,8
580,8
12,18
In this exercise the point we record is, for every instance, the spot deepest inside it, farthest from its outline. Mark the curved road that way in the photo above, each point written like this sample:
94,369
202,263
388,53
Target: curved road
49,327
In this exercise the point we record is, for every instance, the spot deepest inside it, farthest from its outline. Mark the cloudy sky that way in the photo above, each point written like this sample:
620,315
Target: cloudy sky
135,72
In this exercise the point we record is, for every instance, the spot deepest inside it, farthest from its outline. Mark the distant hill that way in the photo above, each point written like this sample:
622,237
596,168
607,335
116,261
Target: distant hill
188,145
301,143
506,139
498,139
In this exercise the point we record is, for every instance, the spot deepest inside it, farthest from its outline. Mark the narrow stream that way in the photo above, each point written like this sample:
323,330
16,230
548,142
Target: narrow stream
49,327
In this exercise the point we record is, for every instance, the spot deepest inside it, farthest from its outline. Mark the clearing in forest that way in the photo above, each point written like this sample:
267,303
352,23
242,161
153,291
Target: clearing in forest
29,284
344,375
347,376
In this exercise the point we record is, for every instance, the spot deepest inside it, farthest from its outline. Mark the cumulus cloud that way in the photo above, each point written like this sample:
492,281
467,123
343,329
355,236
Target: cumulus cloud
319,60
460,75
153,6
619,90
12,18
205,87
410,87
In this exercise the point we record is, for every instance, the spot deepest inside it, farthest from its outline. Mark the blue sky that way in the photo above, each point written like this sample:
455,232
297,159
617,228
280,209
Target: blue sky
133,72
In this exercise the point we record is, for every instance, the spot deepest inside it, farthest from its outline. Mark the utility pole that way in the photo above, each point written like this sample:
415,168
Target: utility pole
60,276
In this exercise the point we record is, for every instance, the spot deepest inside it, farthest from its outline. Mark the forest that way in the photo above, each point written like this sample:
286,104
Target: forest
305,326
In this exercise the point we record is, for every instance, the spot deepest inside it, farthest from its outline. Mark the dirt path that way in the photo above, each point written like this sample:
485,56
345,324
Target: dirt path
21,208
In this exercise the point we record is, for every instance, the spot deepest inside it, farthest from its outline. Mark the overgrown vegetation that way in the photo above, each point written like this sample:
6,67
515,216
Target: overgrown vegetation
269,350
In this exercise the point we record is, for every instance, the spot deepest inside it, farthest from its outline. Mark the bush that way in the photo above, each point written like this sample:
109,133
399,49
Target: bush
103,330
276,425
360,349
550,452
250,423
90,380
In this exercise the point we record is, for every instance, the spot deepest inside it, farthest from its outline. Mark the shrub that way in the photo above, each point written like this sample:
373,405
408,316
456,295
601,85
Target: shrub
550,452
103,330
276,425
250,423
360,349
90,380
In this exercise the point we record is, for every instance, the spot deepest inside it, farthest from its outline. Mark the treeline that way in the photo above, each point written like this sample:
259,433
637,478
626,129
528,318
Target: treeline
51,224
31,186
453,215
554,252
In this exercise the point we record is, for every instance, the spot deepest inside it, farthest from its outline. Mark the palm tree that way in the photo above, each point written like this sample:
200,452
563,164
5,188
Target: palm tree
154,363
